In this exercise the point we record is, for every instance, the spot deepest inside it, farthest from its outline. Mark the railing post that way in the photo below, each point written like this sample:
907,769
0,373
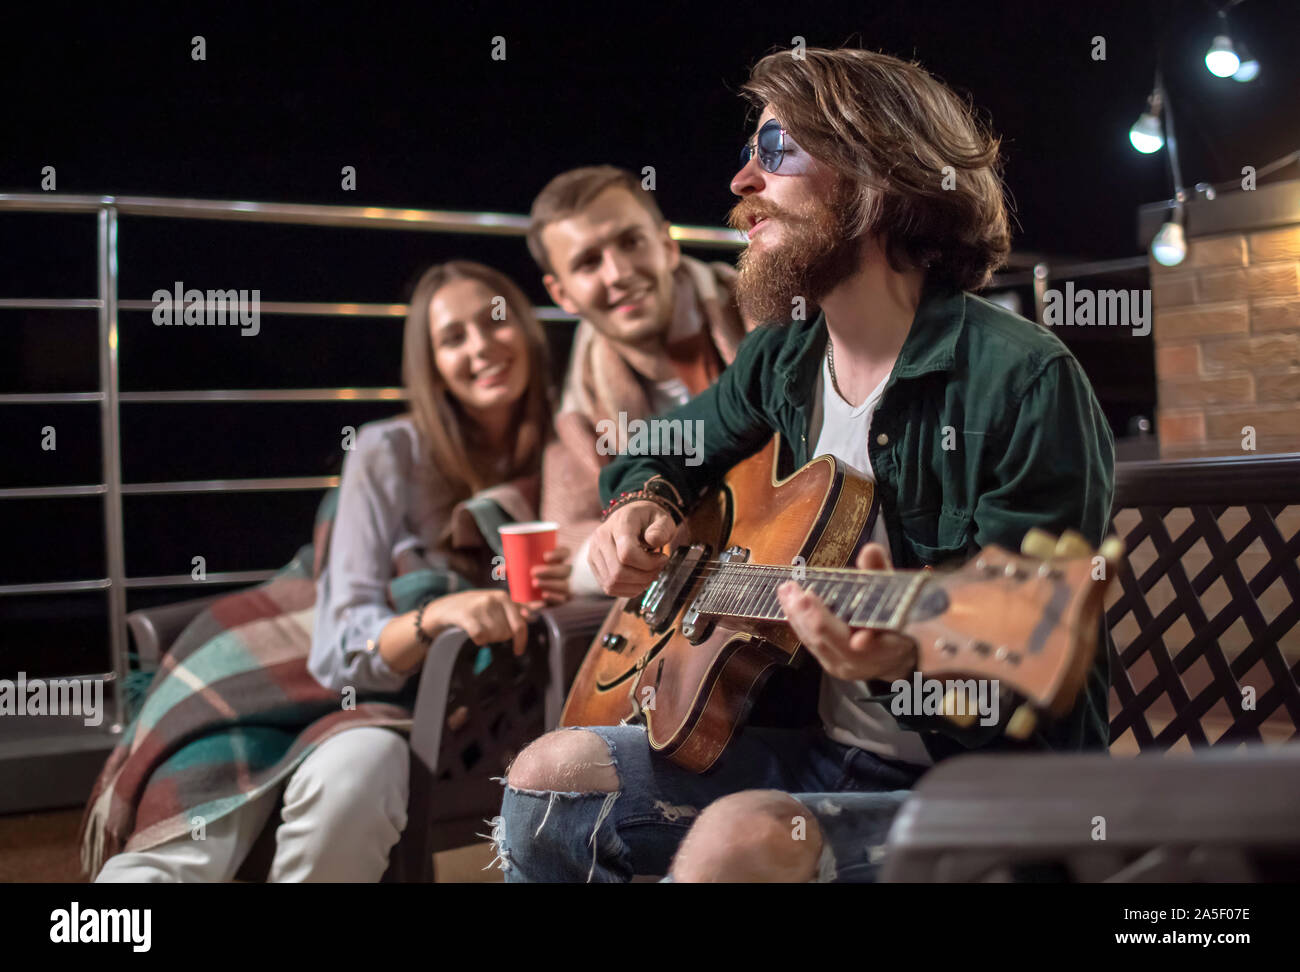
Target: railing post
110,450
1040,292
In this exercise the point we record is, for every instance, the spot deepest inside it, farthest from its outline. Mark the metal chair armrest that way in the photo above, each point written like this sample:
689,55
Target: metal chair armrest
154,629
430,713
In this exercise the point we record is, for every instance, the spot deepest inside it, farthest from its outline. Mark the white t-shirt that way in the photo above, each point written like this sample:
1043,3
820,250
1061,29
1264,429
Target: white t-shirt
666,395
688,320
842,431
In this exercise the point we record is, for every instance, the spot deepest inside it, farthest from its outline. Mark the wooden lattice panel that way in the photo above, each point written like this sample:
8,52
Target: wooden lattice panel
1208,607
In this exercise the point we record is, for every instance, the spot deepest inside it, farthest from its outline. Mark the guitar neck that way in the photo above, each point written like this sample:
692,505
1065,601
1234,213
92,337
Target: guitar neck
861,598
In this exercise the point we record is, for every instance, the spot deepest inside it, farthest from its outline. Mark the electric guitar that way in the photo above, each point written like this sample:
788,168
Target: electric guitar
691,653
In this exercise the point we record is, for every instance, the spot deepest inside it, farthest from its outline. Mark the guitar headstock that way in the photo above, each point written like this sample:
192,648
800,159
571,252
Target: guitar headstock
1026,620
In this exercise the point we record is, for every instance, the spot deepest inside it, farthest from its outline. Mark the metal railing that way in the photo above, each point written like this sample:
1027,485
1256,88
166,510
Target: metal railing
109,397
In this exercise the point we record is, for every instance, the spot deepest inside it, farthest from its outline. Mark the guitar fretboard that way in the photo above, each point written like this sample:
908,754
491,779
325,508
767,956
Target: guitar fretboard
860,598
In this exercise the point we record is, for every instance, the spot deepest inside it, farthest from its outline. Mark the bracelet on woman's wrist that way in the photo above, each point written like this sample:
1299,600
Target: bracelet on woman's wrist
422,636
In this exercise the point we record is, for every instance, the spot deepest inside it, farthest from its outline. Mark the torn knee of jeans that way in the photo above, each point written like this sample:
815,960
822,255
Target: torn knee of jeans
568,794
552,796
571,779
564,770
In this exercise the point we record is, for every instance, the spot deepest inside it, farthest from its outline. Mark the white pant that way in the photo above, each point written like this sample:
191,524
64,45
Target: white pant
344,809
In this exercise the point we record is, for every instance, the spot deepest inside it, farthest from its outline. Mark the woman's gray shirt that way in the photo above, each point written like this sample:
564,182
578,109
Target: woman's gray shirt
390,501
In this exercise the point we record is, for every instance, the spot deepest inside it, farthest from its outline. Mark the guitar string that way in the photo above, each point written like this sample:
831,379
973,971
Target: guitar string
738,587
728,590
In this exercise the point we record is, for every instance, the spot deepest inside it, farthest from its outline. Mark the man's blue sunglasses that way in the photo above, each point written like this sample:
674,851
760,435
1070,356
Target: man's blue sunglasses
771,149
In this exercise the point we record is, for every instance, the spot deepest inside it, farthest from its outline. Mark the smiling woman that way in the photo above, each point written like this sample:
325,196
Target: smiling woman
409,555
474,362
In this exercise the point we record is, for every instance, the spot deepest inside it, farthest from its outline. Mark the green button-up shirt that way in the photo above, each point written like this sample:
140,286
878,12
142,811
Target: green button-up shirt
987,427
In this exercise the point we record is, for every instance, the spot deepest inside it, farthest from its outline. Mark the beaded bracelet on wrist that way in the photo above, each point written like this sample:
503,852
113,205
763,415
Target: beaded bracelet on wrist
421,635
643,495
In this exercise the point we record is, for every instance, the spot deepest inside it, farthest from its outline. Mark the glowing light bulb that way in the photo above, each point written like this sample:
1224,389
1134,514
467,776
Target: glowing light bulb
1146,135
1170,245
1221,59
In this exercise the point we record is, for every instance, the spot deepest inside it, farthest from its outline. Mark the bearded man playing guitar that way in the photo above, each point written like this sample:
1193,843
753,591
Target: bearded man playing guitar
870,192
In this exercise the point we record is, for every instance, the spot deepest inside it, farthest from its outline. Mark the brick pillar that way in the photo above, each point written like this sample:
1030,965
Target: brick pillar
1227,333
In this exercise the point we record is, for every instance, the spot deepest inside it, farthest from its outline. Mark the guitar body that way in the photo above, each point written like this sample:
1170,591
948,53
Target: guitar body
695,696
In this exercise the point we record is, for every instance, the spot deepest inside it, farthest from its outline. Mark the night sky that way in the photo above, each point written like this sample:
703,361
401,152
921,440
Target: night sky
288,96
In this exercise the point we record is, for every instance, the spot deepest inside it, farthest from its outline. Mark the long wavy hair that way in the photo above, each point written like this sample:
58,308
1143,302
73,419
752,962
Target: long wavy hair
892,130
438,414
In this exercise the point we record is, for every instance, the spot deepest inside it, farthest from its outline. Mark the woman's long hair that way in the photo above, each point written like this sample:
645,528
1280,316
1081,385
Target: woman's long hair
438,414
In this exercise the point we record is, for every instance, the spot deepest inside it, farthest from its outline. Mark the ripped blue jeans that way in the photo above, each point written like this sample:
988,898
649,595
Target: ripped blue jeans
611,837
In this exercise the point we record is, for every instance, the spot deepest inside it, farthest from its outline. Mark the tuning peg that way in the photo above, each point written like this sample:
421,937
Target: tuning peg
952,708
1112,550
1038,543
1072,544
1022,723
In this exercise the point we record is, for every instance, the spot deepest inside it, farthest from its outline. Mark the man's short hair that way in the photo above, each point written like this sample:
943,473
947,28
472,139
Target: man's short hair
571,192
891,129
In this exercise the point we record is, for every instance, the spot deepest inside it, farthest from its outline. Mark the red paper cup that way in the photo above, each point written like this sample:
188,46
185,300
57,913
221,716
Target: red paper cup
524,545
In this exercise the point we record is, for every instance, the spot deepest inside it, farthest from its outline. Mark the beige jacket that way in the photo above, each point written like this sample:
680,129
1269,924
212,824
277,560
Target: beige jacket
600,383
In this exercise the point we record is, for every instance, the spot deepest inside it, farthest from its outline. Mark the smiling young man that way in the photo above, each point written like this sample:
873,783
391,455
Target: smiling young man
975,425
656,327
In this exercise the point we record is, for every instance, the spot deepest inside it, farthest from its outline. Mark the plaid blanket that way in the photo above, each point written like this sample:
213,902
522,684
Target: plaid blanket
233,710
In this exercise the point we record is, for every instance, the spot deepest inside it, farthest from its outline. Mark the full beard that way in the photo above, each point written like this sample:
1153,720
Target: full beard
817,254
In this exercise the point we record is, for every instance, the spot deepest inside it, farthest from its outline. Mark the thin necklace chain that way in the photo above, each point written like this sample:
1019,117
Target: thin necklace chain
830,365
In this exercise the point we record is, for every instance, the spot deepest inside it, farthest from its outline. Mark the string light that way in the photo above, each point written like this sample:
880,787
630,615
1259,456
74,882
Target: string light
1147,135
1221,59
1249,69
1154,130
1169,248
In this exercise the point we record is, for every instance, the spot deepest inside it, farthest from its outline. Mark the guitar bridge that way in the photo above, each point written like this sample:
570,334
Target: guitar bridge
663,597
696,627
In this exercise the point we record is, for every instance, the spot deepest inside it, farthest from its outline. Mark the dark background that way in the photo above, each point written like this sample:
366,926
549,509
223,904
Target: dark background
289,95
